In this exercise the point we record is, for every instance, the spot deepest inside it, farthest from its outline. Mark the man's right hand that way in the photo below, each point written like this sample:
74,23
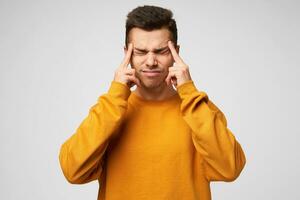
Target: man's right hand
124,74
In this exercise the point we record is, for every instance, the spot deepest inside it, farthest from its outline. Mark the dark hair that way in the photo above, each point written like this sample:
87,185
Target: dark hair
151,18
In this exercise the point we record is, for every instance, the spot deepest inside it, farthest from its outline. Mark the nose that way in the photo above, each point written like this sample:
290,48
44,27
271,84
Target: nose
151,60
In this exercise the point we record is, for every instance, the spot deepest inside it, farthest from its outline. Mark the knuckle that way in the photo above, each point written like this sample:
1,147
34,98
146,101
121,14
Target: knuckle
185,68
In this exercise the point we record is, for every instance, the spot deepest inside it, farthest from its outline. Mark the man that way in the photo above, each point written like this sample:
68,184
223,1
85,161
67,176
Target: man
163,140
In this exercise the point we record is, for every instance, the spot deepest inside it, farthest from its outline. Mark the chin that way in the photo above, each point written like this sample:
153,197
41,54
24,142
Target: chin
152,84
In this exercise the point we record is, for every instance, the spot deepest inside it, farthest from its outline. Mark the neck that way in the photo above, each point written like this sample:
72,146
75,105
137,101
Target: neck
158,93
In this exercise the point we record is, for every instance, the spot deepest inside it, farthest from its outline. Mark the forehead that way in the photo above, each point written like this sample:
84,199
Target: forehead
149,39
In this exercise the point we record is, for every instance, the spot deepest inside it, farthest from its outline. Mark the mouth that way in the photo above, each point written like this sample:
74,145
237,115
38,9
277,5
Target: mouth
151,73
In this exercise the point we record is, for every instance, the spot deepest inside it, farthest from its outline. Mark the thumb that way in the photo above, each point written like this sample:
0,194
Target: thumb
168,79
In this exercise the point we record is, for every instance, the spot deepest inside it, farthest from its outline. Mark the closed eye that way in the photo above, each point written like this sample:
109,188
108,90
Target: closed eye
164,52
139,53
161,51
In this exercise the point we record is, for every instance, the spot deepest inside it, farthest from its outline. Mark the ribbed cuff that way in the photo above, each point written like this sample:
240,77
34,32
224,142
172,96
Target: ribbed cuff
119,90
188,88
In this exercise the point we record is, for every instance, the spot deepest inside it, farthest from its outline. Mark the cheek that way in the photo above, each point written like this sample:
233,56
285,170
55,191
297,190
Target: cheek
166,61
136,62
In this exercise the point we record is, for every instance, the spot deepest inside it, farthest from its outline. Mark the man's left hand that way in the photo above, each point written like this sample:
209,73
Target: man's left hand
179,73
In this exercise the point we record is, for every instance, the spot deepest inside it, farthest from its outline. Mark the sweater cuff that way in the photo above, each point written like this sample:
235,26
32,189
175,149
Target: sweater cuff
119,90
188,88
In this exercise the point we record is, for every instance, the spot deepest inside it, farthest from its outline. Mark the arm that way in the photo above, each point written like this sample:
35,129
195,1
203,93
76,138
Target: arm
81,156
223,156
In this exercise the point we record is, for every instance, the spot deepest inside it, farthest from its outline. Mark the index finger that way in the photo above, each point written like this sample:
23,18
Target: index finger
127,56
174,53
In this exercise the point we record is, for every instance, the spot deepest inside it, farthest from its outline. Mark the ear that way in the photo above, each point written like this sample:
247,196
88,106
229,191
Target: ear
125,50
177,49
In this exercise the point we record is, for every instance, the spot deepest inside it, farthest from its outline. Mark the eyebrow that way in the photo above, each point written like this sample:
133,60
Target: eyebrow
155,50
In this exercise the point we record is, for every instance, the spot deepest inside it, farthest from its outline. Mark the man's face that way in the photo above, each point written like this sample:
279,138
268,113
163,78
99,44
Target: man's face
151,56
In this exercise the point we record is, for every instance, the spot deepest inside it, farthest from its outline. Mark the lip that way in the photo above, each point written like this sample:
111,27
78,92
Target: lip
151,73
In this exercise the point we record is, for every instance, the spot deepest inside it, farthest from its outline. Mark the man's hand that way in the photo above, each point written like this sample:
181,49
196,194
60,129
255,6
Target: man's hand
178,74
124,74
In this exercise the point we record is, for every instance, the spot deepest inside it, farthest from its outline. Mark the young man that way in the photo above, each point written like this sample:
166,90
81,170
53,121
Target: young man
155,142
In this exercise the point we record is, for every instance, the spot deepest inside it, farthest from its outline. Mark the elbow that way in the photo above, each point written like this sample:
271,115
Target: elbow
234,172
231,176
76,175
237,165
63,161
77,178
72,178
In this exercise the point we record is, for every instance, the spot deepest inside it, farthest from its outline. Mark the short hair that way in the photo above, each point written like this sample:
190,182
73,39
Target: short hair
151,18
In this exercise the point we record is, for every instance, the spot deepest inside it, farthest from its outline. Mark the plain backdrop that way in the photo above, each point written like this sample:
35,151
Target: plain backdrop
57,57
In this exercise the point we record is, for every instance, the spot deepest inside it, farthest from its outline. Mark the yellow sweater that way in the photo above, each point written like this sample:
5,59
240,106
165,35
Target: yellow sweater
157,150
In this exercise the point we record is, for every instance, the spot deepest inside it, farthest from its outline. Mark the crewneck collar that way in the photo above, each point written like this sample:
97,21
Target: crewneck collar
170,100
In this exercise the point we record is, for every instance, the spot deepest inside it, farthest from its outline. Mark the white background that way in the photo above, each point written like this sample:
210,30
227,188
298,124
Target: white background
57,57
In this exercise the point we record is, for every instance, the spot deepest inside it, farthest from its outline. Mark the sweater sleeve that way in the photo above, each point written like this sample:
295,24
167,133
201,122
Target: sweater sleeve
223,156
81,156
